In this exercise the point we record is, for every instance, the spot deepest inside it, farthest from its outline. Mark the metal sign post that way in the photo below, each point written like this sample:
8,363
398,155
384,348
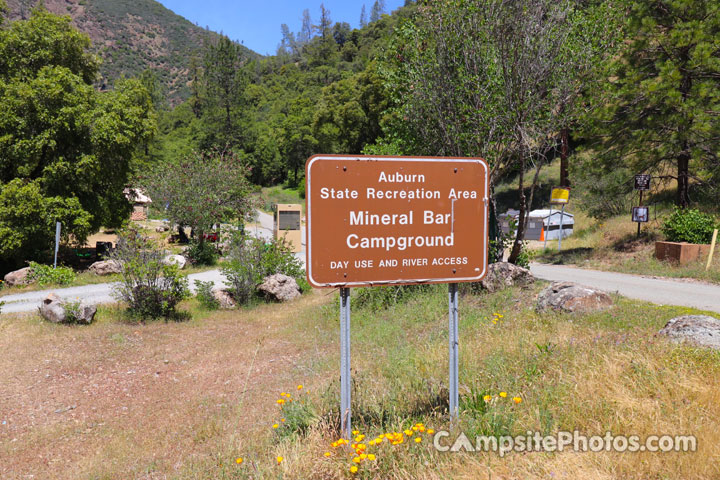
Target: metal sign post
454,351
57,242
642,183
345,383
375,220
562,214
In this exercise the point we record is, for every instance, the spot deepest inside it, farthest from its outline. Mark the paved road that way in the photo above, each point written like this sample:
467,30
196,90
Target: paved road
650,289
102,292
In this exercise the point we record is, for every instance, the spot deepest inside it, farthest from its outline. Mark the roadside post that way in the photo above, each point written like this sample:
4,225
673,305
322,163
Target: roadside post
642,183
561,196
712,249
57,242
374,221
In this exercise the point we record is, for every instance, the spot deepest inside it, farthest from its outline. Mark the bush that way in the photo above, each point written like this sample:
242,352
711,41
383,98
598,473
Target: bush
202,253
47,275
250,260
150,288
689,225
385,297
204,294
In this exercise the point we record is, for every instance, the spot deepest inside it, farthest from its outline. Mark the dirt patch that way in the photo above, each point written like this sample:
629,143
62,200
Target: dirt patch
74,399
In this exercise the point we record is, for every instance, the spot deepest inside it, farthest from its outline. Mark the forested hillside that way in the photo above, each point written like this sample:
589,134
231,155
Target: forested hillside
132,36
322,92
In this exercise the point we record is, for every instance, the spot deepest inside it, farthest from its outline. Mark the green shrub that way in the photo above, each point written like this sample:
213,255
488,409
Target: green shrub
385,297
150,288
47,275
250,260
689,225
202,253
204,294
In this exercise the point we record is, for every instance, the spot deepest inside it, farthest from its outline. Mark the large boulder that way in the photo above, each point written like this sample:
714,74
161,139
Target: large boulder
501,275
570,297
279,287
56,310
224,299
700,330
178,260
106,267
18,277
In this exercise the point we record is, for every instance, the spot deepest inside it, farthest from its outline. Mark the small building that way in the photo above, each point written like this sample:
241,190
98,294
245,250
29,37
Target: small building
541,224
140,201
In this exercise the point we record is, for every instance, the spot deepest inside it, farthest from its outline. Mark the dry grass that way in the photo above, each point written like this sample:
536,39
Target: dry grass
612,245
185,400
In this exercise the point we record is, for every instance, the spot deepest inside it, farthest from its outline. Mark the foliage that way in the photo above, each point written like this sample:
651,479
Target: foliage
72,310
150,288
491,78
47,275
659,109
386,297
250,260
204,294
65,148
201,189
689,225
202,253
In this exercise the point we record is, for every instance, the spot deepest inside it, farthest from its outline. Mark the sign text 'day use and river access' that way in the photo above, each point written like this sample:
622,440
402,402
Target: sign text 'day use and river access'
394,220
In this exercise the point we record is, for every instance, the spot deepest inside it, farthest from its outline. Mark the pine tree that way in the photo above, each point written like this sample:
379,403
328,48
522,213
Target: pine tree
363,17
661,105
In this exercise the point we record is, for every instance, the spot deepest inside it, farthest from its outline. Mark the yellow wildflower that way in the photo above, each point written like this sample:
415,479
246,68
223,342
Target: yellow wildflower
487,398
239,460
430,431
327,454
357,460
418,439
299,387
371,457
353,469
275,425
279,460
517,399
503,394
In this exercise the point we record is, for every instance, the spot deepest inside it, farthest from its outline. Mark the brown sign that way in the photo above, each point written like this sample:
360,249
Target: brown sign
395,220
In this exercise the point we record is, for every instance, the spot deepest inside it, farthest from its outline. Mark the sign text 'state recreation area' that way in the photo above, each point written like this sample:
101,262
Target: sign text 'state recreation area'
380,220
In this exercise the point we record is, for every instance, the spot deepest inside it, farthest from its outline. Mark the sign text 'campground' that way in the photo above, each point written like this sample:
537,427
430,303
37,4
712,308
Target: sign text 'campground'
381,220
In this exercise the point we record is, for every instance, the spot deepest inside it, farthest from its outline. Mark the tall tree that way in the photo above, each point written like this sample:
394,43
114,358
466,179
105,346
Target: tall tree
65,148
661,106
363,17
225,83
306,30
487,78
377,11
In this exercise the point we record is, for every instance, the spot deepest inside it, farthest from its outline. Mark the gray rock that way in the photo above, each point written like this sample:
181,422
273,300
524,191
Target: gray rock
84,314
106,267
53,309
571,297
501,275
701,330
279,287
56,310
178,260
18,277
224,298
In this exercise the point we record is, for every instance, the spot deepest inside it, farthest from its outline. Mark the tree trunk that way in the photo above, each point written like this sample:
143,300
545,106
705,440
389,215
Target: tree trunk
517,244
564,150
683,167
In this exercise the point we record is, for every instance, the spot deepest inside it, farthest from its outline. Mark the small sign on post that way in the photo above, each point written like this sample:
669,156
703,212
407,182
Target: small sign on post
394,221
561,196
642,184
640,214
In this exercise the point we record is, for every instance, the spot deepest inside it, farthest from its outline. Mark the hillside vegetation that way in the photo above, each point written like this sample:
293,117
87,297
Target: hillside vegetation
132,36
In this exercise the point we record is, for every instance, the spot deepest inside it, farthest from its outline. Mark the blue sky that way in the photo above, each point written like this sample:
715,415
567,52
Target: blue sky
257,23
